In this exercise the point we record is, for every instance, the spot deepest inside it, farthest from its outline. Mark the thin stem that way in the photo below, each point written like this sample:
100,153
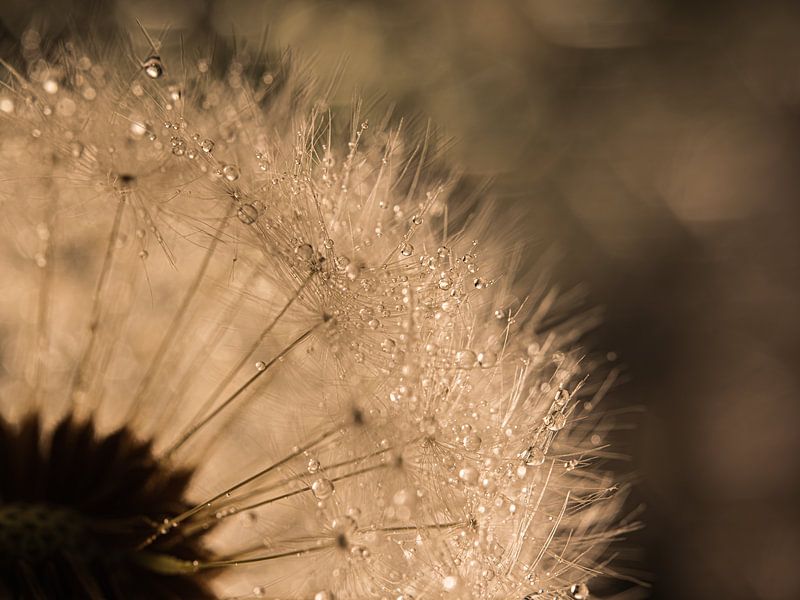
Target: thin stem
42,344
209,402
299,476
158,358
403,528
252,379
256,559
170,524
307,488
94,319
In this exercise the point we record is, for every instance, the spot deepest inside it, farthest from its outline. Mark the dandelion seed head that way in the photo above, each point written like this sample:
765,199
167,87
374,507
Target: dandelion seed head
297,313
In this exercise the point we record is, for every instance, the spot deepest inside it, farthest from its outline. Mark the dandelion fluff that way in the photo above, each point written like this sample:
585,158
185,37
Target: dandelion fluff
309,345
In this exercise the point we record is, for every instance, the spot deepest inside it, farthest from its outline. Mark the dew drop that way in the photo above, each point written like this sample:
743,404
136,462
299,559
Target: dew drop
313,465
304,251
487,359
406,249
247,214
478,283
207,146
153,67
534,456
555,421
261,365
50,86
178,146
352,271
138,129
323,595
259,591
388,345
472,442
562,397
465,359
450,583
322,488
230,172
468,475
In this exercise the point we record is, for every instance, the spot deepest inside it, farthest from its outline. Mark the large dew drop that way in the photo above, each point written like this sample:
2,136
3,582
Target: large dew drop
322,488
153,67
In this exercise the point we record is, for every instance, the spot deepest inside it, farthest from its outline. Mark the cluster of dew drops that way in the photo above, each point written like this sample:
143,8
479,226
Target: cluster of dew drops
441,276
440,272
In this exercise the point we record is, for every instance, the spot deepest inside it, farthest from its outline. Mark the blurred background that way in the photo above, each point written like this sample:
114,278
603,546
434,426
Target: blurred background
656,145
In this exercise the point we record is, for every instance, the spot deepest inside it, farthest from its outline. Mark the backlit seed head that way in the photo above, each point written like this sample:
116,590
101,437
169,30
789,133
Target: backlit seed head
167,233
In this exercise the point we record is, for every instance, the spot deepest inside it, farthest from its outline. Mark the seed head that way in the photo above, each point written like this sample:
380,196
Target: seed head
307,342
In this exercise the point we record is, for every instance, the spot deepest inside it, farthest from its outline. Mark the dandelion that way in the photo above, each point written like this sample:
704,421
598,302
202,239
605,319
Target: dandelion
249,354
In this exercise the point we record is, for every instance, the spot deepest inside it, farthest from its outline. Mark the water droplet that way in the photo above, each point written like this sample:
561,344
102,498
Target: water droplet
579,591
468,475
304,251
478,283
178,146
230,172
153,67
555,421
472,442
259,591
487,359
465,359
323,595
261,365
450,583
562,397
328,243
352,271
322,488
388,345
138,129
417,220
313,465
533,456
247,214
207,146
406,249
50,86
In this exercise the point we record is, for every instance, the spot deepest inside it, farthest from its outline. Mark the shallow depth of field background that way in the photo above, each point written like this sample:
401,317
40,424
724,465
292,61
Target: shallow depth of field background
656,145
